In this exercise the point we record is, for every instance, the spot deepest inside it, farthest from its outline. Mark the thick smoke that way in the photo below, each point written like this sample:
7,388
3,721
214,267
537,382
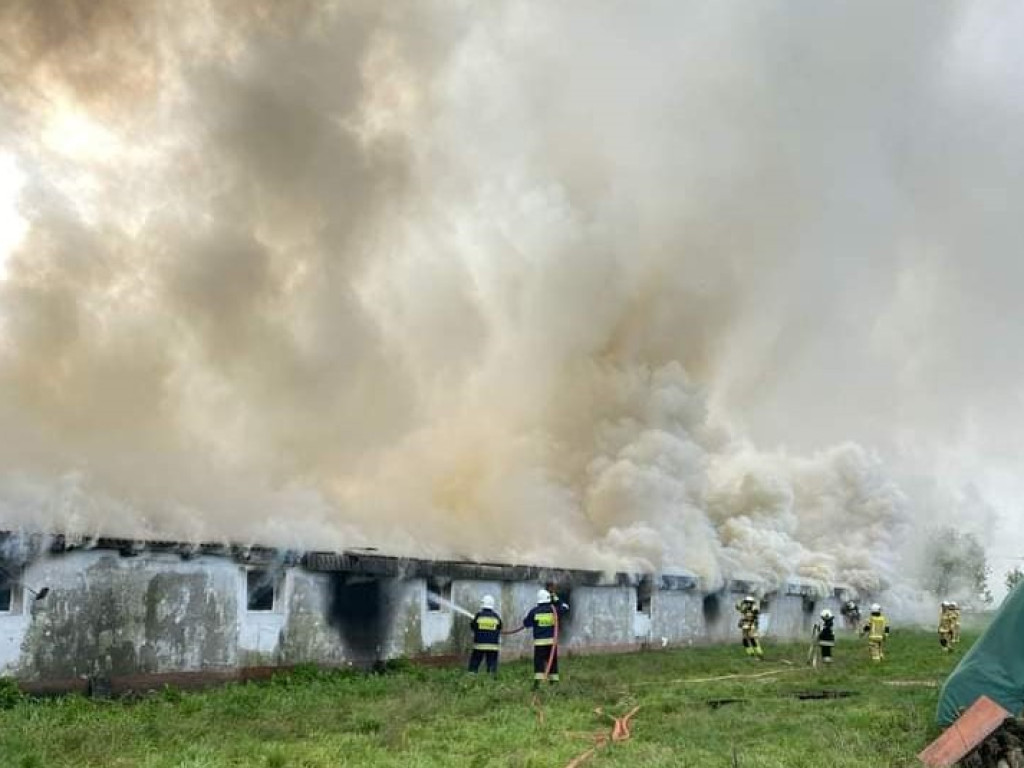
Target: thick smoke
525,281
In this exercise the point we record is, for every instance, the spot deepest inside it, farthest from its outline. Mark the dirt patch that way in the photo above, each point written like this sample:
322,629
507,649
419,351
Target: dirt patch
823,695
716,703
1003,749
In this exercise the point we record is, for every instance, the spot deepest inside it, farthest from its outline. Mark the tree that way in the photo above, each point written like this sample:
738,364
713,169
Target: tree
955,563
1013,578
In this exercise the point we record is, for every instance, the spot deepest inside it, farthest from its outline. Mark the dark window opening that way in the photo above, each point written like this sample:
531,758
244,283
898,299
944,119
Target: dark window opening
358,611
712,609
259,590
643,596
439,594
765,606
809,605
6,594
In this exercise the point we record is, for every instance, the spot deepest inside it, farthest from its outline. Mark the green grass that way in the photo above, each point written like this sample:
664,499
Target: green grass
444,717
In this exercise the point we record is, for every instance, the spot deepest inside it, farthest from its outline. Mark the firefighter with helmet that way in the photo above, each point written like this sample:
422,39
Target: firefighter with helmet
877,630
826,634
486,626
946,626
543,620
954,610
851,613
750,613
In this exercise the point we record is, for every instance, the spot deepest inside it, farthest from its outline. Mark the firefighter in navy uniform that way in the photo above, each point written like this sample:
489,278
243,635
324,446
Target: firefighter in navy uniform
749,615
851,613
486,626
826,636
543,620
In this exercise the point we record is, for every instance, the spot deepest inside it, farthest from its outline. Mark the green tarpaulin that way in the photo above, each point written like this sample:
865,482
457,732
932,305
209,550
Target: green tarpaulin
994,666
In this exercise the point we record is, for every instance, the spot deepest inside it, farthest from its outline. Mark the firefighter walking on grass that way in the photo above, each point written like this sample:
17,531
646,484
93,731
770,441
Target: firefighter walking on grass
877,630
543,620
851,614
946,627
486,626
750,613
954,611
826,635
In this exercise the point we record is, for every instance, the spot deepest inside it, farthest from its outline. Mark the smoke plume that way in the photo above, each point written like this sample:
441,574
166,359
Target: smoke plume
726,287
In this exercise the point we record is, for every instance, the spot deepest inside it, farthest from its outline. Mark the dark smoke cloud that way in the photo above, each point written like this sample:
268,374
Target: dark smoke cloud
525,281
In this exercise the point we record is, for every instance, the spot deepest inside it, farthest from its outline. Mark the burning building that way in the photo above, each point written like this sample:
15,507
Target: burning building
640,293
132,614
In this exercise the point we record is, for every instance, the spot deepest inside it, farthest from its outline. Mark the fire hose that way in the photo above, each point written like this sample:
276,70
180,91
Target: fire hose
620,729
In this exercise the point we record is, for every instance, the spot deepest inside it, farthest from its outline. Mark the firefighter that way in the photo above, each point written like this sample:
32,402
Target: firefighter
954,610
486,626
946,626
851,614
543,619
826,636
749,615
877,629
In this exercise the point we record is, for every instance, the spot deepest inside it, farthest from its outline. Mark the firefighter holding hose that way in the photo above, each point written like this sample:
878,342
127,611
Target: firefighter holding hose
750,613
486,626
543,620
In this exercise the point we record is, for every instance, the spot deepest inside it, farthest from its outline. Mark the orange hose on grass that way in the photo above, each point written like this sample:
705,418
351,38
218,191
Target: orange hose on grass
620,732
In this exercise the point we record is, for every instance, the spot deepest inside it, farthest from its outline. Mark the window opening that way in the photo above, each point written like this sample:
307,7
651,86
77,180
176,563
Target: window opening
439,595
260,590
643,596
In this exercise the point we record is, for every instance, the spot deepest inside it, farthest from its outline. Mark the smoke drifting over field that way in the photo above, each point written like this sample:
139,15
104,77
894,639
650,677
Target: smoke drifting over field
527,281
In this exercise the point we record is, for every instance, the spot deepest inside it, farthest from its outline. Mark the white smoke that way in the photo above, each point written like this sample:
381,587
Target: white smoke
521,281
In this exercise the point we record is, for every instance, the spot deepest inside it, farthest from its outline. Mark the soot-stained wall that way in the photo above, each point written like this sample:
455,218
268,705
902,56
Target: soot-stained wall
109,615
150,613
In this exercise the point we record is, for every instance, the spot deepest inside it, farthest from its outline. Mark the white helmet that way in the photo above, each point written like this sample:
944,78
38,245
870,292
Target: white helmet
543,596
749,599
952,604
826,614
876,608
946,604
487,602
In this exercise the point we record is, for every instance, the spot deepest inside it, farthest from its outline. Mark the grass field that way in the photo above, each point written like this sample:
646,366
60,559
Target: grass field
444,717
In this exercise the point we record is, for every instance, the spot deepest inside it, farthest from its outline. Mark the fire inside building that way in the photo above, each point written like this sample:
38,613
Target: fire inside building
127,615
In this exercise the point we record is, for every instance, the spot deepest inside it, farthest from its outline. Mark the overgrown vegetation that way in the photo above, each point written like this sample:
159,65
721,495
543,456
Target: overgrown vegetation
414,716
1013,578
956,564
9,693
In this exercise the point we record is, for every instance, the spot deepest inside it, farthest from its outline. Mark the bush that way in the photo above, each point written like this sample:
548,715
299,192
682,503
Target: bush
10,694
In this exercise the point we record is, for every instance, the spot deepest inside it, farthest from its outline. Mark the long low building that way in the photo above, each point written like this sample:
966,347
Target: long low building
129,614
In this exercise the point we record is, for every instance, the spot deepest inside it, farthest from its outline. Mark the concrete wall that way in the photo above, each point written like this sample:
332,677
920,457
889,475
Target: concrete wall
108,615
111,615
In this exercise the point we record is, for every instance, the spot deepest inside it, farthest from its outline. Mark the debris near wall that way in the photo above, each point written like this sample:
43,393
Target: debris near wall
1004,748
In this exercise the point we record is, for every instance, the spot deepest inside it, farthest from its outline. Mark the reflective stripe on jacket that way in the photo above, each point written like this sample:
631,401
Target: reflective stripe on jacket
542,620
486,627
